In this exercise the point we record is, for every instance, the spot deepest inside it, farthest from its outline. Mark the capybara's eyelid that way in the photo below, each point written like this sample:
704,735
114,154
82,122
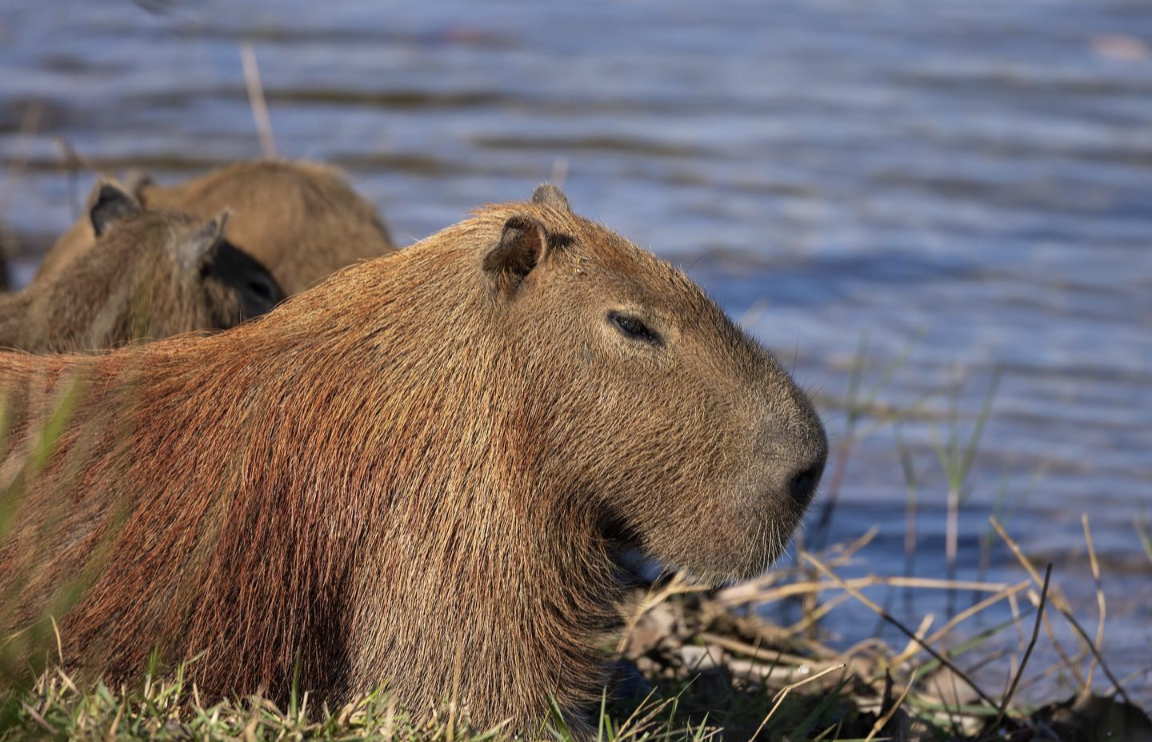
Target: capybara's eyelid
635,328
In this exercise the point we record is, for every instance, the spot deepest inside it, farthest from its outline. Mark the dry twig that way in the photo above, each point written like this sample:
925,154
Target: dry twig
1064,609
256,100
779,699
1028,651
904,629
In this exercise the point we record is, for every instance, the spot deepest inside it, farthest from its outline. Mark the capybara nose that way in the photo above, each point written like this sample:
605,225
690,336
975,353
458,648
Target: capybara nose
802,484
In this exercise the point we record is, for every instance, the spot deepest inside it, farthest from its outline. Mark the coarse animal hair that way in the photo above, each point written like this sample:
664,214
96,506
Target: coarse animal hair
423,472
299,219
150,274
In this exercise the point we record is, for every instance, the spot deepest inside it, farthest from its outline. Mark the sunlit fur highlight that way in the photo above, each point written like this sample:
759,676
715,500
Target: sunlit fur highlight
407,476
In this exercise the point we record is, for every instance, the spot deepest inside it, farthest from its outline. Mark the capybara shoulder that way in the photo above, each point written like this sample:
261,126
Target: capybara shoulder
151,273
301,220
422,473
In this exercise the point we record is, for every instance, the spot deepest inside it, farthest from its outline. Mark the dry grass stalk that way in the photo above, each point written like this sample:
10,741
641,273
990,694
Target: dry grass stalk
795,589
1027,652
1065,610
921,630
1101,604
959,618
677,585
1069,663
887,717
779,697
835,556
749,650
903,629
256,100
809,621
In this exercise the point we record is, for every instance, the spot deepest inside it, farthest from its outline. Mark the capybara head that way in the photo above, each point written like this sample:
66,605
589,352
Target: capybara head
150,273
697,445
301,220
187,275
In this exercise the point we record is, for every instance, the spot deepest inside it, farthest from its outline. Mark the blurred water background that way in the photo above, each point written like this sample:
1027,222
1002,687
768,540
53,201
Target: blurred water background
954,187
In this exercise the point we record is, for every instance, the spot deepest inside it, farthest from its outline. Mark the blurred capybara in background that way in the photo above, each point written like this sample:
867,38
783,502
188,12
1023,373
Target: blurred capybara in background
302,220
3,260
423,472
150,274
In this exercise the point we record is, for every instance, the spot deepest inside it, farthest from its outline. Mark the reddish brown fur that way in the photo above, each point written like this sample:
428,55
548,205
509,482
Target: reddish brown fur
148,276
414,467
299,219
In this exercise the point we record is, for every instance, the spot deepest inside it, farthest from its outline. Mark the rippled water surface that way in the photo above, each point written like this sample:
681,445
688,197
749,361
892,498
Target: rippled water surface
966,185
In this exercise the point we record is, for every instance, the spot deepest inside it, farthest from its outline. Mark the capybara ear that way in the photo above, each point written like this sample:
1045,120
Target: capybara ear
108,203
521,247
198,251
550,195
136,181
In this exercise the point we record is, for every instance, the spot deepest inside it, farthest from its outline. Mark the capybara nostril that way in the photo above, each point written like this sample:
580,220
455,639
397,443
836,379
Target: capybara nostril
802,484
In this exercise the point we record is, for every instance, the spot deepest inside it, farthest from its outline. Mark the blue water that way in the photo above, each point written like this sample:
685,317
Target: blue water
969,184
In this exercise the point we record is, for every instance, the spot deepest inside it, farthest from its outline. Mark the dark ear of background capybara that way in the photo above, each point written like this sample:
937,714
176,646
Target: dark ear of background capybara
301,220
422,473
149,274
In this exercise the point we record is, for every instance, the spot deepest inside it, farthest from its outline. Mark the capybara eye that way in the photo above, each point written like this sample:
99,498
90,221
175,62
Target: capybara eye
634,328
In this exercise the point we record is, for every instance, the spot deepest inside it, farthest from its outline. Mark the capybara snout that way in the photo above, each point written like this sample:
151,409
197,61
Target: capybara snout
693,437
792,439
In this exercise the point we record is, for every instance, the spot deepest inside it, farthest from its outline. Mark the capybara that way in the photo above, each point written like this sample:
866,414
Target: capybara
150,274
423,473
300,219
3,260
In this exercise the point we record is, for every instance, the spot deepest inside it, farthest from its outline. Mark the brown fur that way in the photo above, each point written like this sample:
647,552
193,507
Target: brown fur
151,275
299,219
431,461
5,242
